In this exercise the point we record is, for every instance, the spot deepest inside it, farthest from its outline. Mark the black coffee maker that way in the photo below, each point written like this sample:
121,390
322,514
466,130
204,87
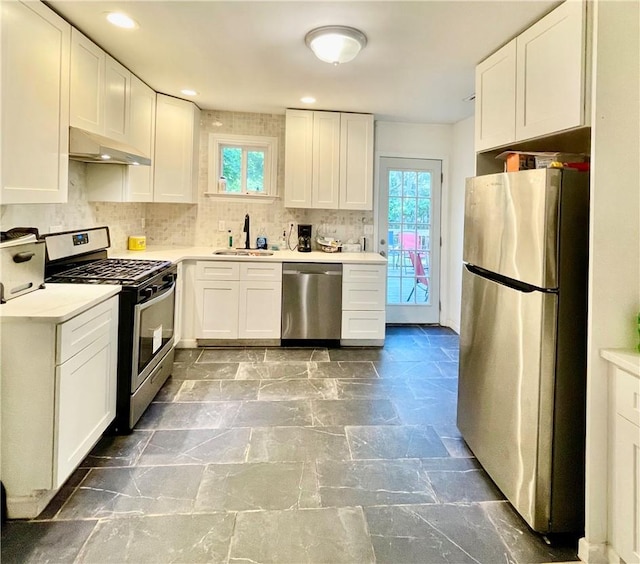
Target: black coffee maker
304,238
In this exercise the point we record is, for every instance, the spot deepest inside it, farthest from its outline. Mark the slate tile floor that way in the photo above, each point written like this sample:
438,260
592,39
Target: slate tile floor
290,455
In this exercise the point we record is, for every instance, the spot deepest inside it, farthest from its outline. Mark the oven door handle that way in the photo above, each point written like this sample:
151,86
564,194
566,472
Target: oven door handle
158,298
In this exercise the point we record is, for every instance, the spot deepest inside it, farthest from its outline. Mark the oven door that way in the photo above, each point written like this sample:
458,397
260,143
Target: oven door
153,334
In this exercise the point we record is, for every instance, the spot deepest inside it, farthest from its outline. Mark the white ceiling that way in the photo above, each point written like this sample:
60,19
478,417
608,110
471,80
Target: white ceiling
418,65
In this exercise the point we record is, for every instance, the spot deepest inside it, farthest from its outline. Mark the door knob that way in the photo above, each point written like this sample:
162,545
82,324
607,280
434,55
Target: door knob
383,242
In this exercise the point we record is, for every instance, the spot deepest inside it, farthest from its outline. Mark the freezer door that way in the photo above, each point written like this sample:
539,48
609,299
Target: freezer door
505,391
511,225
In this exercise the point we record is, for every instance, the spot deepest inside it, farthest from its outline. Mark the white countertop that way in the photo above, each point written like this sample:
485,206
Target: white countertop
177,254
56,303
626,359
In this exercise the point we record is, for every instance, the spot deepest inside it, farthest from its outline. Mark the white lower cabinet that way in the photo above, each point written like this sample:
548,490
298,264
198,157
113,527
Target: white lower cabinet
217,309
55,404
363,303
238,300
624,454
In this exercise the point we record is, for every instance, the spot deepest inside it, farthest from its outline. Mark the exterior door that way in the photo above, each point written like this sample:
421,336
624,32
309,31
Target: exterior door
409,227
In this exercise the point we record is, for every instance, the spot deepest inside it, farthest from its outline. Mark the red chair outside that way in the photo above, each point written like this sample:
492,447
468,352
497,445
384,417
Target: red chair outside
422,280
408,243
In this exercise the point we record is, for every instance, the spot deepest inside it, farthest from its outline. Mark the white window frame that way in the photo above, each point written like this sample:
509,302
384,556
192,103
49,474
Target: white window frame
245,142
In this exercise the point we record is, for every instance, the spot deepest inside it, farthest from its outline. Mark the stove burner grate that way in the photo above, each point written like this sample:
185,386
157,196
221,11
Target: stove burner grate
111,271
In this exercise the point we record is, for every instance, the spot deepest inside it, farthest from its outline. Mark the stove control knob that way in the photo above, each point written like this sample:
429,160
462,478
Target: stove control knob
148,292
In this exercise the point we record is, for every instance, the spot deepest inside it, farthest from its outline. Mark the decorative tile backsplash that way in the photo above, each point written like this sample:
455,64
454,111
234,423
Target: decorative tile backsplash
123,219
190,224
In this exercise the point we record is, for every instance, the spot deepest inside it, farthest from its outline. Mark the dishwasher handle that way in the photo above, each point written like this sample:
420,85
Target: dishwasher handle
307,273
323,268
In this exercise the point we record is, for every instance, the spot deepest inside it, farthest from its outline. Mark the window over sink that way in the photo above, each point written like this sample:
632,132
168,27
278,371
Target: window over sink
243,166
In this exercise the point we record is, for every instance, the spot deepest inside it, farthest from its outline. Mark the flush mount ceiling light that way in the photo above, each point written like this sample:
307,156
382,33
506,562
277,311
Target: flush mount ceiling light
308,100
335,44
189,92
121,20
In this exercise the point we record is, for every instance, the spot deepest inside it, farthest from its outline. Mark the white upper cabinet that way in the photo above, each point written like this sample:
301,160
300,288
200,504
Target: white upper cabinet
496,98
142,130
298,173
328,160
356,162
88,64
176,150
117,101
35,104
551,73
100,90
536,84
126,183
325,191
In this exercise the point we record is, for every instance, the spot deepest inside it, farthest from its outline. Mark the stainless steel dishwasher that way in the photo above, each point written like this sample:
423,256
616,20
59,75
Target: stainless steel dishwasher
311,300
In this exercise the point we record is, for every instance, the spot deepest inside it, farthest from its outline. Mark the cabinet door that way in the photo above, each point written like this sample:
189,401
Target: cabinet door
298,168
260,310
216,309
35,104
142,127
176,150
117,102
87,83
627,487
356,162
495,119
326,160
550,73
86,403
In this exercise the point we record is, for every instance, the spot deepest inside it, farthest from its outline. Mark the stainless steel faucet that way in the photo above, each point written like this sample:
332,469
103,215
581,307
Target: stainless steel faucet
245,229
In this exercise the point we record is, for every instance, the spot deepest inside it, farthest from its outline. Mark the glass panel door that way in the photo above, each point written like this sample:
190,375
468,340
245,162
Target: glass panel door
409,214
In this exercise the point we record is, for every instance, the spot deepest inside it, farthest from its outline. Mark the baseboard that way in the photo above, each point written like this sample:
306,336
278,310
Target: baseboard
29,507
596,553
187,344
453,325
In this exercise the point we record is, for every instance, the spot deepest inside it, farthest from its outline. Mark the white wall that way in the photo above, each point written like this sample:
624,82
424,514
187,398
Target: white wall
463,164
453,145
614,277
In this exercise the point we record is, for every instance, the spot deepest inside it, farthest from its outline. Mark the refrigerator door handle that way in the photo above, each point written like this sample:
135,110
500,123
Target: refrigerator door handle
506,281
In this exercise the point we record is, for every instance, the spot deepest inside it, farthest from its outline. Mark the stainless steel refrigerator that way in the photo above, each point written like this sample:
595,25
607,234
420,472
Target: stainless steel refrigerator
521,395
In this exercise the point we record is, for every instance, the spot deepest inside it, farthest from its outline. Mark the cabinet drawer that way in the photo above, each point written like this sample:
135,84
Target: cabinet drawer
363,296
363,325
628,396
217,270
364,273
79,332
260,271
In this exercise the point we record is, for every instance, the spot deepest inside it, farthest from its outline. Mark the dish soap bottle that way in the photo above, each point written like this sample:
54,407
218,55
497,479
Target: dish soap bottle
282,244
230,239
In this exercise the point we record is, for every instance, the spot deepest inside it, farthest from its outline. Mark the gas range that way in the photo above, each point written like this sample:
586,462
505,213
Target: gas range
146,312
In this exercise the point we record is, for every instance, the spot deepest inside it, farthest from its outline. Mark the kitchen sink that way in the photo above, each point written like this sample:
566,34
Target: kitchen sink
244,252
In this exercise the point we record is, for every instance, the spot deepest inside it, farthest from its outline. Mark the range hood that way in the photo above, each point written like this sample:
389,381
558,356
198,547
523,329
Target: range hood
91,148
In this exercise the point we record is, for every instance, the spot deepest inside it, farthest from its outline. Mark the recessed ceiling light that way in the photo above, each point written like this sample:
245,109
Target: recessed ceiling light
105,157
121,20
189,92
308,100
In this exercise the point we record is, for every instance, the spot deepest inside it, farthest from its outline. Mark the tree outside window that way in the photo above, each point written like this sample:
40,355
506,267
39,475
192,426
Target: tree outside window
247,164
